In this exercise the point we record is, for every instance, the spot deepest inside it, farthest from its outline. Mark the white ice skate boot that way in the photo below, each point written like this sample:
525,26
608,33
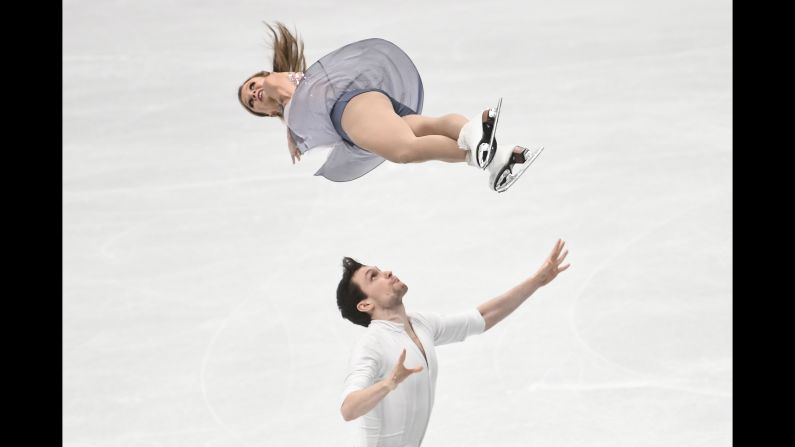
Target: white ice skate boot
478,137
508,165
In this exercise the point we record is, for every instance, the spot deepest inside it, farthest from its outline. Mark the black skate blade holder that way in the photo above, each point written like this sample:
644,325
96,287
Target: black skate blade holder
507,175
486,151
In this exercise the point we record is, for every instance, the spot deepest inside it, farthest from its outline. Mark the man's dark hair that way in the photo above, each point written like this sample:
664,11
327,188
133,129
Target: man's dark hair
349,294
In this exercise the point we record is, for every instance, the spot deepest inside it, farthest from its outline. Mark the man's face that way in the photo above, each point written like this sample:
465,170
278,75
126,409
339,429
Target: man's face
383,289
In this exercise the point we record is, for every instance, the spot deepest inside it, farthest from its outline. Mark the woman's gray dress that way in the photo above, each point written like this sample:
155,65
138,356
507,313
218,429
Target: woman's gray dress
367,64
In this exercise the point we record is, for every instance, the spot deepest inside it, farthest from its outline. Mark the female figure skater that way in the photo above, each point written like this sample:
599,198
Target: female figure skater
365,100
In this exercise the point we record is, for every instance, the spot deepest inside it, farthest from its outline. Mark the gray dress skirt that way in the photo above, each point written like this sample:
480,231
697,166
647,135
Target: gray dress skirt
314,112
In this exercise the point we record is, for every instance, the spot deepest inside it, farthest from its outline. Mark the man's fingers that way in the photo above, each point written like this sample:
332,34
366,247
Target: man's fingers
562,257
414,370
402,357
560,269
556,249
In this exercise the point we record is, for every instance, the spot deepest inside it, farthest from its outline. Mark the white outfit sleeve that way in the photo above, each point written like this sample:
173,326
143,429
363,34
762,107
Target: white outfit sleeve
365,366
456,327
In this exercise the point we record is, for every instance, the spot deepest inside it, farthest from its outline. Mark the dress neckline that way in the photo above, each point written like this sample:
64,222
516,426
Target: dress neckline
295,77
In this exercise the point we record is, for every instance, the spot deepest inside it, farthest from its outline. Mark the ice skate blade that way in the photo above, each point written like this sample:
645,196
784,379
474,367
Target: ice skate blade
511,173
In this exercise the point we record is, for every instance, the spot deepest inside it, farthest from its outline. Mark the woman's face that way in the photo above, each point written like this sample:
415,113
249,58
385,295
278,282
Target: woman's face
254,95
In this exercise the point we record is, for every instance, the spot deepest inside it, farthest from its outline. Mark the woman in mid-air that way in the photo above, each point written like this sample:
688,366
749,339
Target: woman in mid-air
365,100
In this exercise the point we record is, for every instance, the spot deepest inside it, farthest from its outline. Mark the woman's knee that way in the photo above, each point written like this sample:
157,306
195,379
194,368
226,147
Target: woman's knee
448,125
406,152
452,124
414,122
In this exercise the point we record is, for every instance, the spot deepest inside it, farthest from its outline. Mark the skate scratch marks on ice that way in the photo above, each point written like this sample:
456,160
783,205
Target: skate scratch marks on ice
607,261
275,274
181,186
105,250
207,353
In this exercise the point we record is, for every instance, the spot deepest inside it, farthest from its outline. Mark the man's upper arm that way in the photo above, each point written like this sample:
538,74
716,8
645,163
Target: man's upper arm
455,327
364,367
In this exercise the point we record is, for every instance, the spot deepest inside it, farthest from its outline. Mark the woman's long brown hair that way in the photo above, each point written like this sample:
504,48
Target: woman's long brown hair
288,50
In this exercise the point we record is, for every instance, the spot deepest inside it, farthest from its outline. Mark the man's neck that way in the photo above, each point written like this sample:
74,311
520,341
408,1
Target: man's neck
396,314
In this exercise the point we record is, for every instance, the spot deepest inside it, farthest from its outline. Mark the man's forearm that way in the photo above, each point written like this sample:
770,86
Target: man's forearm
358,403
496,309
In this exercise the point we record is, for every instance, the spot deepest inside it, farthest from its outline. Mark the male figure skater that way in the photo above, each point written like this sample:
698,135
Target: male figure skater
393,401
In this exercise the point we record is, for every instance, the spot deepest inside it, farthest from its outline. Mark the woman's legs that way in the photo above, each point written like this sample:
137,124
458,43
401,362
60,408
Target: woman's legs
448,125
371,123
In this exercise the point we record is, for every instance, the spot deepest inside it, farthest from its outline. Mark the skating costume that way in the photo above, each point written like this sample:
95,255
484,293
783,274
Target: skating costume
401,418
315,109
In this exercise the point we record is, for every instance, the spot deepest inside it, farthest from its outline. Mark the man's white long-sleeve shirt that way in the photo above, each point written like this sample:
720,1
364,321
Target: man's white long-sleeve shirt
401,418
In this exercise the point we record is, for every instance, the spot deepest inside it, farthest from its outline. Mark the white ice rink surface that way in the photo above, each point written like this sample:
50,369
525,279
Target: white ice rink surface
200,265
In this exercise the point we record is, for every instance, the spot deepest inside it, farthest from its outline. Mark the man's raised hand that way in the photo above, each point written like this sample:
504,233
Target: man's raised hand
400,372
552,265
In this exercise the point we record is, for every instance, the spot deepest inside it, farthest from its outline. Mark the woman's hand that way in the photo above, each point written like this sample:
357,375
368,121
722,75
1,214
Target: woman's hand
293,148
